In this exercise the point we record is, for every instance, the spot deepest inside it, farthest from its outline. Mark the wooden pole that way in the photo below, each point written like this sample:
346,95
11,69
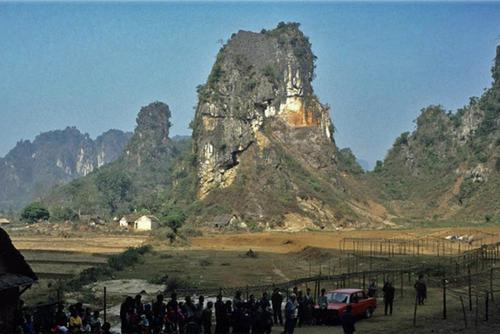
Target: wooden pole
469,283
463,310
486,305
401,274
477,309
491,283
444,298
415,313
105,305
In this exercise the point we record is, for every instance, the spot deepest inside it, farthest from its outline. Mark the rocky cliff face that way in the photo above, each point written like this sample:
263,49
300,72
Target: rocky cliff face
54,157
150,135
259,80
259,131
449,166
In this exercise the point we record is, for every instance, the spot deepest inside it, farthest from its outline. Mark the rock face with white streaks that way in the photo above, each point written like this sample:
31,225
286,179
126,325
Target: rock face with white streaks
54,157
257,119
259,80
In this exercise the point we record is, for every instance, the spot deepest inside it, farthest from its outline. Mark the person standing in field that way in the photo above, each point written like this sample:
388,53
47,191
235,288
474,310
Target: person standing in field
291,312
372,289
206,318
277,300
421,289
389,292
323,305
348,321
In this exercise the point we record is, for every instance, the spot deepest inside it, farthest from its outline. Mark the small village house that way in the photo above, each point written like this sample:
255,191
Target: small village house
139,222
15,277
4,221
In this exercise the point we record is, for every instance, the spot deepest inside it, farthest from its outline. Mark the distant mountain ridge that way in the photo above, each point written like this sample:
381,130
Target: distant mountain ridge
143,176
54,157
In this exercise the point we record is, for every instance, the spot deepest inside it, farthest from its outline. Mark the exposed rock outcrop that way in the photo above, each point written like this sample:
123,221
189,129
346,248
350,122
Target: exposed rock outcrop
260,80
263,142
54,157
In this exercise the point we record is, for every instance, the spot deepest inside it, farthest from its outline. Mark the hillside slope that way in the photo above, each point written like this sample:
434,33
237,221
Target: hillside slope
449,167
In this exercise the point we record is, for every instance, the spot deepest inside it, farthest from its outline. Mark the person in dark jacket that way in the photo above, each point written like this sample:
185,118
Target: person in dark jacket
348,320
372,289
277,300
221,321
206,318
389,291
421,289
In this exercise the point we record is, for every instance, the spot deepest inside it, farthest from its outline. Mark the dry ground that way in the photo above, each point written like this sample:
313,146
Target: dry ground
282,242
215,260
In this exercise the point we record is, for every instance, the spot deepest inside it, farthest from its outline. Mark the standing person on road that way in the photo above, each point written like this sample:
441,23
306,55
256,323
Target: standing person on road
389,292
291,312
277,300
348,320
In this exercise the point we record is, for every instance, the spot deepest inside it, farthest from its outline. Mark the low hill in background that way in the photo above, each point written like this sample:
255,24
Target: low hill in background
449,167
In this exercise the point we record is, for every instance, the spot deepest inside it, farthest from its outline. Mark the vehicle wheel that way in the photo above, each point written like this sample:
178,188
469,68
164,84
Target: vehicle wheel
368,313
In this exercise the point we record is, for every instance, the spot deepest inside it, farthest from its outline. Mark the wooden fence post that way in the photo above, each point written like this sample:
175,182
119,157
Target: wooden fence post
415,313
105,305
477,309
401,274
444,298
491,283
486,306
469,283
463,310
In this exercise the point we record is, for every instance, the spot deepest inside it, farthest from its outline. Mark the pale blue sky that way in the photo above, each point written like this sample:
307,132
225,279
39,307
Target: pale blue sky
94,65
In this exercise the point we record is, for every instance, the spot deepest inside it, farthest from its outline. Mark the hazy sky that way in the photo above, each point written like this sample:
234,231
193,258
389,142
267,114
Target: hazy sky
94,65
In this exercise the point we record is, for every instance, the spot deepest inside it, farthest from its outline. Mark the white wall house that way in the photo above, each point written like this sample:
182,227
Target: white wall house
123,222
138,222
146,223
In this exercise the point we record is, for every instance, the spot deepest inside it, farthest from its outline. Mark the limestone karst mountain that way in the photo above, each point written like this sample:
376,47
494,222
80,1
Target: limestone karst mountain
263,154
264,143
449,167
54,157
140,178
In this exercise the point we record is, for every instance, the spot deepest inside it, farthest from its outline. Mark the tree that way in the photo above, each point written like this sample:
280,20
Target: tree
35,212
173,218
115,187
379,165
64,213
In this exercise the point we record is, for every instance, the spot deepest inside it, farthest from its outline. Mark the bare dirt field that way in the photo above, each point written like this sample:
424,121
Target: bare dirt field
282,242
90,243
216,260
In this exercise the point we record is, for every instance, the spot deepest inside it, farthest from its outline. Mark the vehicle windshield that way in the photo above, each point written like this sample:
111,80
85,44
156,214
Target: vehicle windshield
338,297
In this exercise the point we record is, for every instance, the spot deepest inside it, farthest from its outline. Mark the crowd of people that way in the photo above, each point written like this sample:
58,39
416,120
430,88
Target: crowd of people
75,320
237,315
